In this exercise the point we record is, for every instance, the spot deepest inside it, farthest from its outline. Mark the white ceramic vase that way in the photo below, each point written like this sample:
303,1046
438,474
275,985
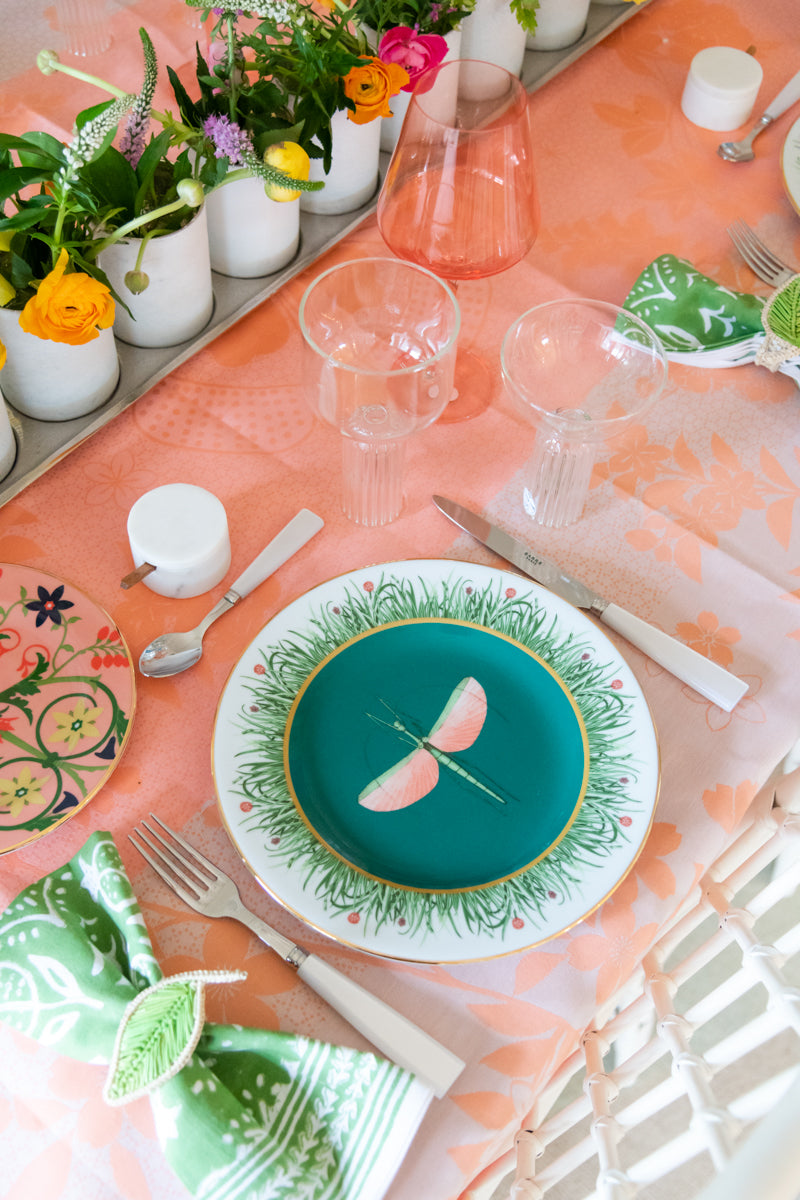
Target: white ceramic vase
250,235
53,381
8,442
559,23
179,300
355,165
491,33
391,126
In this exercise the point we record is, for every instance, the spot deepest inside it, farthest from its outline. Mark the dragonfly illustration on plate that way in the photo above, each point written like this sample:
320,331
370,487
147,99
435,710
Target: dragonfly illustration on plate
417,774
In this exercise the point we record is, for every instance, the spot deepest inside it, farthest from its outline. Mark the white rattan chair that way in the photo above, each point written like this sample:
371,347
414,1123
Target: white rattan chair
688,1085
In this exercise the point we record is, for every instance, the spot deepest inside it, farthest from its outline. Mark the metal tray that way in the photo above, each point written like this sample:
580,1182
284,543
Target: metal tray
41,444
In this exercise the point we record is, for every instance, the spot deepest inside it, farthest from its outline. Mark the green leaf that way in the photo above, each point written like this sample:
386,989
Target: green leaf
158,1033
783,315
152,155
113,181
44,144
89,114
156,1037
29,686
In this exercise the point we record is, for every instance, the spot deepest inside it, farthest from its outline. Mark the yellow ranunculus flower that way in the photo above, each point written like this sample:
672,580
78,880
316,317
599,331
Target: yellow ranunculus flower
370,86
68,308
292,160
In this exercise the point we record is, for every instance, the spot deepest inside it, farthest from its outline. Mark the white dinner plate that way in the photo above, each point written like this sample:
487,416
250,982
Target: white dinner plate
435,761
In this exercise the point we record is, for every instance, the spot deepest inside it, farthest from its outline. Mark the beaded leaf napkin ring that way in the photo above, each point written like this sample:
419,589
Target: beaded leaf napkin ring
781,320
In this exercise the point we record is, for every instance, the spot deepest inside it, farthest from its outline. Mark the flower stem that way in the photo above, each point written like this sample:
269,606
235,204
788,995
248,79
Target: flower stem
55,64
230,30
137,222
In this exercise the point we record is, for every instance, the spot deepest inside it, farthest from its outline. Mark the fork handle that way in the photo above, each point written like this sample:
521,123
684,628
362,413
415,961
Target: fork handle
397,1037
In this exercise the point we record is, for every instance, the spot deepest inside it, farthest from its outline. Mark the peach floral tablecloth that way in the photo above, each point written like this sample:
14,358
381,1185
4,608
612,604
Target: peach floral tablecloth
693,523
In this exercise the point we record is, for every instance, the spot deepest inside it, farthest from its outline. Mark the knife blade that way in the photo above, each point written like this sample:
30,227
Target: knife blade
706,677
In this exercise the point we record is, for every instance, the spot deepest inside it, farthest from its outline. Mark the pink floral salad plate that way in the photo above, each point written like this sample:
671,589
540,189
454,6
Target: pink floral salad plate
435,761
67,695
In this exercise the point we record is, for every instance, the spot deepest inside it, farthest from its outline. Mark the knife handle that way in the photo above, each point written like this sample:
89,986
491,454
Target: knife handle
705,676
398,1038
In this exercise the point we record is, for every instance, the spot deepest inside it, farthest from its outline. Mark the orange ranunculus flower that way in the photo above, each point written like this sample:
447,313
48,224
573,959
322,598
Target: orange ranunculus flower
370,87
68,308
2,356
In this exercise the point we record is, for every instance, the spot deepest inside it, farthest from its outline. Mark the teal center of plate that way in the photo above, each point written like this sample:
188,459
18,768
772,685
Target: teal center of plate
436,755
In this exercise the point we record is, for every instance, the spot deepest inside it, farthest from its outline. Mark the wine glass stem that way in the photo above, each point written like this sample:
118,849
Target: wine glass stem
372,480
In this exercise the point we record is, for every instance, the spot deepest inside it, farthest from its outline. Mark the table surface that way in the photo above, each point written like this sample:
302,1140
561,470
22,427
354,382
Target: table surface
689,523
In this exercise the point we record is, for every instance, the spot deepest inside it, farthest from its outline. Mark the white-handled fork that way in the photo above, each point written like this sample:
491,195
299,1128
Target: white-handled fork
209,891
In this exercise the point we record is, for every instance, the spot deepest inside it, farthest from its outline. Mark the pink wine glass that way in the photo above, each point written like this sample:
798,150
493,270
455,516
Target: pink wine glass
460,193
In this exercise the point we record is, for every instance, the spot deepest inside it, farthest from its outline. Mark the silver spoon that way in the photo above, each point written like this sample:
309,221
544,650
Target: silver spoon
742,151
174,652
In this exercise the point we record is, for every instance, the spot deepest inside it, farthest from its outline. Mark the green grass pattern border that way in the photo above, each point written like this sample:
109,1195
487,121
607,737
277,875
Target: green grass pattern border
594,834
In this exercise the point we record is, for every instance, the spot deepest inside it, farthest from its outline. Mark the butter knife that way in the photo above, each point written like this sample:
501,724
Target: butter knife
706,677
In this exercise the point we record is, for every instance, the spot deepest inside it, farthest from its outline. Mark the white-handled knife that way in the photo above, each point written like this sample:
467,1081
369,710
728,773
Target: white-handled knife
706,677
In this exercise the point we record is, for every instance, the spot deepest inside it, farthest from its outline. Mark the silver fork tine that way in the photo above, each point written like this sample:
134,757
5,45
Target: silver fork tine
758,257
190,857
163,867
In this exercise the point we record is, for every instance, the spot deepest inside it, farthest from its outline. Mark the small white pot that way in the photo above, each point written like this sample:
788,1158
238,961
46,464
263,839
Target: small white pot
355,165
559,23
491,33
179,300
391,126
250,235
53,381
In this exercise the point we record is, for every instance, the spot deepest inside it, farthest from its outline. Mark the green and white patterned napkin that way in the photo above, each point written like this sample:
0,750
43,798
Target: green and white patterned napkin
702,323
240,1113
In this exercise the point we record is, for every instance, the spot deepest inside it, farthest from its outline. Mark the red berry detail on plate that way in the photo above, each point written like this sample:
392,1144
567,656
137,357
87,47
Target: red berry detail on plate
511,593
353,918
616,684
551,895
369,587
259,669
518,922
274,841
626,821
245,806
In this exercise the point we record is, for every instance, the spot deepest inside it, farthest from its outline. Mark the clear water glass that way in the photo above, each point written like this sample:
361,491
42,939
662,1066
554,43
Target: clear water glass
380,347
581,371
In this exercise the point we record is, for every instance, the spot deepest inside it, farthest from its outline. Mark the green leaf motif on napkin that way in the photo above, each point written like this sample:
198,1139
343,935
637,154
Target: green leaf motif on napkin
688,310
158,1034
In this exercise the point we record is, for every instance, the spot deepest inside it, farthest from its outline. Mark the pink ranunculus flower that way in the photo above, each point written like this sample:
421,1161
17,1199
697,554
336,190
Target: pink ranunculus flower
414,51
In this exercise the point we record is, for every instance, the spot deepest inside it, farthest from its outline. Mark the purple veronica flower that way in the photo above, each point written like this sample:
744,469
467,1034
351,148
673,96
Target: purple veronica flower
229,140
132,142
